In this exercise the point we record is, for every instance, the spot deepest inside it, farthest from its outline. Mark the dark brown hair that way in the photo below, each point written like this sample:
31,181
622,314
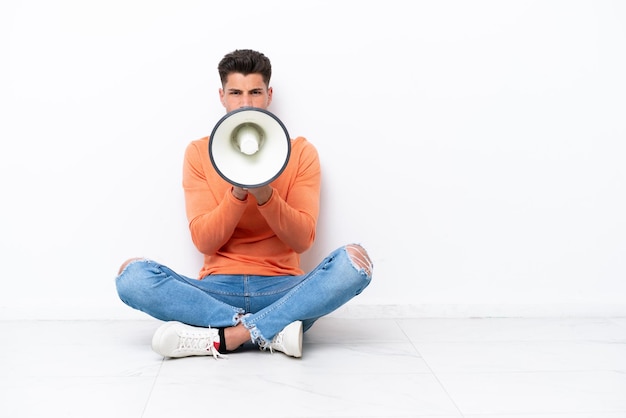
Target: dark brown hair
245,61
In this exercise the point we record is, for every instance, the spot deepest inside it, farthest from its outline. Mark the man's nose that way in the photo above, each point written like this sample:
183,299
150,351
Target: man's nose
247,100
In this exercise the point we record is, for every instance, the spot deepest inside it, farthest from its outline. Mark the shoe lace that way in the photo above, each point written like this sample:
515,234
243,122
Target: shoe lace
194,342
277,341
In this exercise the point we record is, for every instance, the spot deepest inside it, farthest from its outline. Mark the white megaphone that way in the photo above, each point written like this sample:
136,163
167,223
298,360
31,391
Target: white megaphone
249,147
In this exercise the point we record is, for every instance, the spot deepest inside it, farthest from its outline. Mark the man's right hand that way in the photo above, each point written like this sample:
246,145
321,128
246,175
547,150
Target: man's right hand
240,193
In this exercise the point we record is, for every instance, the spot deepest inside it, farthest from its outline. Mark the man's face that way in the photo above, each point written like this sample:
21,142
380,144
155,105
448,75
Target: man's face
249,90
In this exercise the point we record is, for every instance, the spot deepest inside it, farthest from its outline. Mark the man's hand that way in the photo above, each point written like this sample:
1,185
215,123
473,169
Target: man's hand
261,194
239,193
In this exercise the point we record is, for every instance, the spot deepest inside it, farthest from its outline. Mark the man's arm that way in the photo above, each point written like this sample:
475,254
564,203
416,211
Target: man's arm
293,217
213,212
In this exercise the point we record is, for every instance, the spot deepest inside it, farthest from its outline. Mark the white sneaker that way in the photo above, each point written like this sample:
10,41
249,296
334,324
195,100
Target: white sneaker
289,340
175,339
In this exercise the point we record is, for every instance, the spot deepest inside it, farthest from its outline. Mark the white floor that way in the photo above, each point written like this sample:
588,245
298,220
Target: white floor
351,368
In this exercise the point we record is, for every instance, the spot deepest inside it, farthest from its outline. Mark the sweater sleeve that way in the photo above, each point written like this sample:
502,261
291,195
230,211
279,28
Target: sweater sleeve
212,212
293,217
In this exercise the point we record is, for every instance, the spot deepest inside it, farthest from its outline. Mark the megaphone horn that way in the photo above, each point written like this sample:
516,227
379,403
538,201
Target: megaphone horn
249,147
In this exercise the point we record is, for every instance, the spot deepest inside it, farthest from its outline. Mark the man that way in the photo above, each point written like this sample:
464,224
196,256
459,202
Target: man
251,286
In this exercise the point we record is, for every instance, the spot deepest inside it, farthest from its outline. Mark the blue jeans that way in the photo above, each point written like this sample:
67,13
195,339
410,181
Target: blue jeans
264,304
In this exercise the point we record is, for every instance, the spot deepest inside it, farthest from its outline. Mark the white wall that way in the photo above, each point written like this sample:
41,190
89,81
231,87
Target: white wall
476,148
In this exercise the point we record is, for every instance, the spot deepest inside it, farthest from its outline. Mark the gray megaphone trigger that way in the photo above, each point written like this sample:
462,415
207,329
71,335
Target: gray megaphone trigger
249,147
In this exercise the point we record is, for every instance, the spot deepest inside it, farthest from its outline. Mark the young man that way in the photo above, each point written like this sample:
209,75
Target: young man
251,286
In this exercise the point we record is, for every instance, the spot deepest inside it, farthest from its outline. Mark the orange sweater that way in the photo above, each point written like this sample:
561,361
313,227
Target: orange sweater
241,237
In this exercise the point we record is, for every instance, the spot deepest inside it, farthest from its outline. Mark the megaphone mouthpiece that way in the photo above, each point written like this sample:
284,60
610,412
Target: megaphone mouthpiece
249,147
247,138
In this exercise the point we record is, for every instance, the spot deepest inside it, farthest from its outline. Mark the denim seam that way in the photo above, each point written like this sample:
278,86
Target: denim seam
255,334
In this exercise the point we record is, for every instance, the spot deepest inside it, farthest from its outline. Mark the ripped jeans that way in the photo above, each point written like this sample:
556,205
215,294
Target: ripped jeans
264,304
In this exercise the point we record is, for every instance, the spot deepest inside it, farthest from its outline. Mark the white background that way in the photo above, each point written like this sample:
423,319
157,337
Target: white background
476,148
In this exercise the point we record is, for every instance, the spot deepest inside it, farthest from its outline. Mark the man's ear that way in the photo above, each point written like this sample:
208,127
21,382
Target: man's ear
270,93
221,93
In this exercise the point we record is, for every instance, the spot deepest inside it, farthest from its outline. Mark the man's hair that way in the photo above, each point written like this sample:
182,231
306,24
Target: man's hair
245,61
